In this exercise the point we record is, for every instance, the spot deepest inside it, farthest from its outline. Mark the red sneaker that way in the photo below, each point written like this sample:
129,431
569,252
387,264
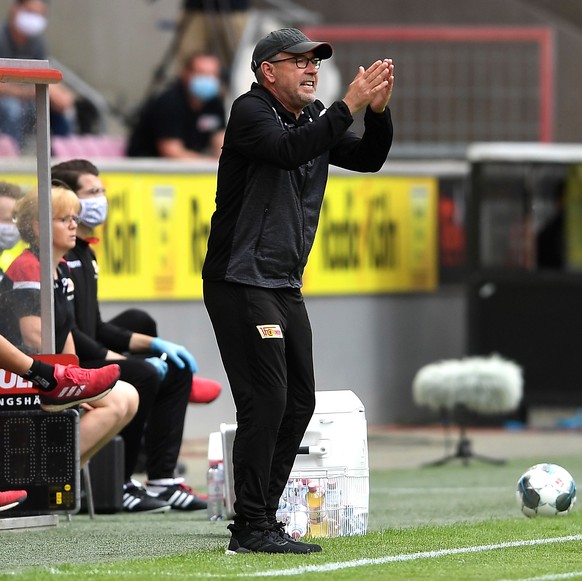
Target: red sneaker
11,498
76,385
204,390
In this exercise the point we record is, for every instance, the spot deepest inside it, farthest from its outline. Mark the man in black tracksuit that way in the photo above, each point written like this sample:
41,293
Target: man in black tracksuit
272,175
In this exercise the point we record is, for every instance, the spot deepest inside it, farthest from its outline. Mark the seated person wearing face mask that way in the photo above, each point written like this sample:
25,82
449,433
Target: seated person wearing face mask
187,120
9,235
22,37
163,382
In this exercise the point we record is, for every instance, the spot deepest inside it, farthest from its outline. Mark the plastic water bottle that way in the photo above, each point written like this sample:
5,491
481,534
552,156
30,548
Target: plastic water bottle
215,479
292,492
333,502
298,522
356,523
283,510
317,517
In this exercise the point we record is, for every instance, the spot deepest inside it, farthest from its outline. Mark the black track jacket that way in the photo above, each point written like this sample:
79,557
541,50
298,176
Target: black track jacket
93,336
271,181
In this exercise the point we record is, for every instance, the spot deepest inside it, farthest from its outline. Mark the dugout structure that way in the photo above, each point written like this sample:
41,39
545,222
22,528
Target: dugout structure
38,73
525,265
39,451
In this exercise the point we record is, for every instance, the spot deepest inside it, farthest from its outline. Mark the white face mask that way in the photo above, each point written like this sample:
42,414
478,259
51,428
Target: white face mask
9,236
93,211
30,23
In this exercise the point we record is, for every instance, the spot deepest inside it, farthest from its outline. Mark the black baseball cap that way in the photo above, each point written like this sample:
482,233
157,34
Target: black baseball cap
287,40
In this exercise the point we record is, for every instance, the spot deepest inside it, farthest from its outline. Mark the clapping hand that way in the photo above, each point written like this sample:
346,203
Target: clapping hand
382,96
372,86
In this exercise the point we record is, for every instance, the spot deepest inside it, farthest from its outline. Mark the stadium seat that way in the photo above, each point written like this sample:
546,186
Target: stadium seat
8,146
88,146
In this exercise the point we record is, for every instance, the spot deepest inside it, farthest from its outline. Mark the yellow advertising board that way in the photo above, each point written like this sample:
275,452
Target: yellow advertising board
377,234
154,242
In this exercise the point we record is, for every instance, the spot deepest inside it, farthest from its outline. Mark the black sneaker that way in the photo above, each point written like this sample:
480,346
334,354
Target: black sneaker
179,496
249,540
279,528
137,499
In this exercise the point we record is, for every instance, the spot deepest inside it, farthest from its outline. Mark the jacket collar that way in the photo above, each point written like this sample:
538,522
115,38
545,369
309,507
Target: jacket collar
280,110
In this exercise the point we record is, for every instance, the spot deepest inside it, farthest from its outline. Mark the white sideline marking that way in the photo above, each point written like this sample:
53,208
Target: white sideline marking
408,557
326,567
550,577
436,489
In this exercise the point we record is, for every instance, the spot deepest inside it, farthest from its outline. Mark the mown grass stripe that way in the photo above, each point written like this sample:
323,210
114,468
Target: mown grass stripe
336,566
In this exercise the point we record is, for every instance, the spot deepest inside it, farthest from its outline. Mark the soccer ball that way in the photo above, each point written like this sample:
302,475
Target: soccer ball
545,490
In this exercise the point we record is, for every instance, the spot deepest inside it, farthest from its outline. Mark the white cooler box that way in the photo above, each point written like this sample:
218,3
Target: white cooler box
328,490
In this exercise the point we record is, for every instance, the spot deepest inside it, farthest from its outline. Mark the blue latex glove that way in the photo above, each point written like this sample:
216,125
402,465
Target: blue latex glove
160,365
178,355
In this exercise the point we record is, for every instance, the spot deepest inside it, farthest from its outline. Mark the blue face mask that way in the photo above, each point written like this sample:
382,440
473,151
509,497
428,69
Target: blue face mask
204,87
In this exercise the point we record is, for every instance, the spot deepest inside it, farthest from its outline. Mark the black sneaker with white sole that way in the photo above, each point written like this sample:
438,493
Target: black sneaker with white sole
179,496
137,499
247,540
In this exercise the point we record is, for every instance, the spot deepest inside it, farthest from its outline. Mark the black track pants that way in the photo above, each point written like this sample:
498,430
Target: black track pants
264,337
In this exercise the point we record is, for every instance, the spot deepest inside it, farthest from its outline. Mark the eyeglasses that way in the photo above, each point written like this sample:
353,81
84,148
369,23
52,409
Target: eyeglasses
301,61
68,220
94,191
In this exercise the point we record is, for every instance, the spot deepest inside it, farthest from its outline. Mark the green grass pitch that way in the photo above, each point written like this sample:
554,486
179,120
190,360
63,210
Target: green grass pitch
451,522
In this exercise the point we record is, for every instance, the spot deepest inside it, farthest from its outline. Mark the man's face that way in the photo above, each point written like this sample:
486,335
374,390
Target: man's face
35,6
205,65
90,187
294,87
6,208
30,17
202,79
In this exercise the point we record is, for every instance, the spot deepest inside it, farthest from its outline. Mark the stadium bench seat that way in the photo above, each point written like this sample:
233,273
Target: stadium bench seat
88,146
8,146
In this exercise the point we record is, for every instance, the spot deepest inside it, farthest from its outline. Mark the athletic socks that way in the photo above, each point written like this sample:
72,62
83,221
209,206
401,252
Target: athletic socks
42,375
